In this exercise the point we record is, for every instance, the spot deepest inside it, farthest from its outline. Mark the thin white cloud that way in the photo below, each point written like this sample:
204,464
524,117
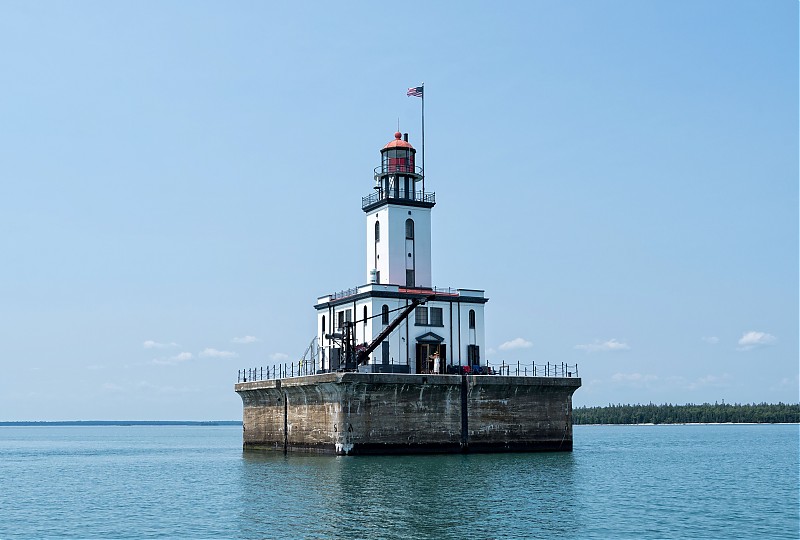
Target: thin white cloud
148,387
150,344
635,378
710,381
752,339
786,383
214,353
245,340
711,340
516,343
604,346
177,359
279,356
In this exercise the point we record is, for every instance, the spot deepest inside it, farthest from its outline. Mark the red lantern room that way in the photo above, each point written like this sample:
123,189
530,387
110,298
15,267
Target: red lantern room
398,174
398,155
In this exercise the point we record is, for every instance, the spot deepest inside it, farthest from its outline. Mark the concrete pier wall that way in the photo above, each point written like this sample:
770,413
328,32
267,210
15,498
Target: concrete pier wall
372,413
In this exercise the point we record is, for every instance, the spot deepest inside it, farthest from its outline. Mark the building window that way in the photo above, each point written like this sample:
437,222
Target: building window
377,231
323,326
385,314
345,315
421,316
409,278
473,355
409,229
436,316
472,318
365,315
378,276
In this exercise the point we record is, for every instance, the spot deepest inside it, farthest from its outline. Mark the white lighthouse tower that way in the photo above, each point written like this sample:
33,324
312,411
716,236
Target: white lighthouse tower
447,330
399,220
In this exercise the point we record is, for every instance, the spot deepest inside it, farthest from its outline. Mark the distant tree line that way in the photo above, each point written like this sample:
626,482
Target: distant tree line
78,423
761,413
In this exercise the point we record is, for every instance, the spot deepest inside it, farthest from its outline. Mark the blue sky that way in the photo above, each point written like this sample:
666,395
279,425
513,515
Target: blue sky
179,182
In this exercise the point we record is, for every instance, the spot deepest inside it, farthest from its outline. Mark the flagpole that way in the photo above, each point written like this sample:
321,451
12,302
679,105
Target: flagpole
423,141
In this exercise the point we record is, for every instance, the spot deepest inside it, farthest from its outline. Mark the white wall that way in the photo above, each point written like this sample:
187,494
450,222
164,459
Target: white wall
391,249
402,341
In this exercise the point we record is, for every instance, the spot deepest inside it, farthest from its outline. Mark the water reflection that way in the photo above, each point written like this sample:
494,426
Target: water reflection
449,496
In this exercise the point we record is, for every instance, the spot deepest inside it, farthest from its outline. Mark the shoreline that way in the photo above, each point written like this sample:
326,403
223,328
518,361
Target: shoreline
122,423
700,424
228,423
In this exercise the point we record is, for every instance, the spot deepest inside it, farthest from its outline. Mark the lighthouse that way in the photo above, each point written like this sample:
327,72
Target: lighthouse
397,364
444,329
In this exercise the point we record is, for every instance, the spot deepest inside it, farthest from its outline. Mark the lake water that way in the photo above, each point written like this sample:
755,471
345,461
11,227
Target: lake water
716,481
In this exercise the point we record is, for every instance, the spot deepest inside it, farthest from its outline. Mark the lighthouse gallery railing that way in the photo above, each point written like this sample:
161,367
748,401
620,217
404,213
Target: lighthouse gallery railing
398,195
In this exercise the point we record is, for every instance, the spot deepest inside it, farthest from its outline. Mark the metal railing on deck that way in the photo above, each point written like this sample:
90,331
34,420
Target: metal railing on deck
533,369
345,293
421,290
278,371
304,368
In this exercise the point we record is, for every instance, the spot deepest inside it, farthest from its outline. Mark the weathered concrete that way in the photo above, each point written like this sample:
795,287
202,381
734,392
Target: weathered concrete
384,413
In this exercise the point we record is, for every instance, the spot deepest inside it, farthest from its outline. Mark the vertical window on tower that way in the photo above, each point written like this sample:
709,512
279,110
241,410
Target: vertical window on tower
365,315
323,326
377,231
473,354
472,318
385,314
409,278
409,229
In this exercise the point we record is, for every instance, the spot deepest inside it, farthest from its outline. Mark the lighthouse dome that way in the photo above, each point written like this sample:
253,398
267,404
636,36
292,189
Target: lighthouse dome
398,142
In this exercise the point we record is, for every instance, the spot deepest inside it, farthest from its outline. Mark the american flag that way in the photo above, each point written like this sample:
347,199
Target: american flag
416,91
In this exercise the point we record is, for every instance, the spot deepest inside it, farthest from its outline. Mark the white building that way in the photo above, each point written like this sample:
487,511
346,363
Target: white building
398,270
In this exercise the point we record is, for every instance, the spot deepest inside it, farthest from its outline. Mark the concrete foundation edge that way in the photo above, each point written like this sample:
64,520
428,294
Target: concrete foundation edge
408,414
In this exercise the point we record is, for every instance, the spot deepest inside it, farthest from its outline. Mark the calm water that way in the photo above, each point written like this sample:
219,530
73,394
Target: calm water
195,482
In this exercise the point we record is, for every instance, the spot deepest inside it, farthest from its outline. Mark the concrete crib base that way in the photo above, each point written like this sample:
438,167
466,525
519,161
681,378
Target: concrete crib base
388,413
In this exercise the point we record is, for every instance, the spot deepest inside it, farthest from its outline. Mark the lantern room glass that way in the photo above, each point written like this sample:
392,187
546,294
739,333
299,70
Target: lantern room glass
398,160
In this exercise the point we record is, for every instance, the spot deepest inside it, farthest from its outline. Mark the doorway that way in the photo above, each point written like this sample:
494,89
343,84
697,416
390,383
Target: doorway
431,358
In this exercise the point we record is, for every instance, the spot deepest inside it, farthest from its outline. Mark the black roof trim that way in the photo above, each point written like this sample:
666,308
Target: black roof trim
407,296
397,202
